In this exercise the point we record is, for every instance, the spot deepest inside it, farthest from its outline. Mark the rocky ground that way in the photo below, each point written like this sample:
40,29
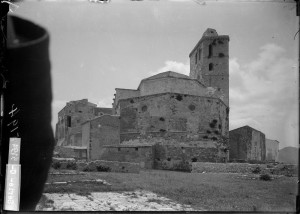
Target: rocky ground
139,200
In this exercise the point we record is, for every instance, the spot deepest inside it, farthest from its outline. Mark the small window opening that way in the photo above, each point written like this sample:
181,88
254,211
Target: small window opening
136,149
210,51
196,57
169,159
194,159
221,55
211,66
68,121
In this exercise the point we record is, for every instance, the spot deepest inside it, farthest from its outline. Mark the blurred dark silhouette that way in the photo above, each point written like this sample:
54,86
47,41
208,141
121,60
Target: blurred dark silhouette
29,94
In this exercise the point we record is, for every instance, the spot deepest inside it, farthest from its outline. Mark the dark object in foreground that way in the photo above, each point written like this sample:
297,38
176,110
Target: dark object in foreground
265,177
29,93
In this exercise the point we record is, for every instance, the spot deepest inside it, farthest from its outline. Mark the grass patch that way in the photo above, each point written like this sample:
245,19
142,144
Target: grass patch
209,191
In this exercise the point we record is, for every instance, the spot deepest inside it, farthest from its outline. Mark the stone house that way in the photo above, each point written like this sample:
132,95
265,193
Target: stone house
70,118
247,144
68,133
272,150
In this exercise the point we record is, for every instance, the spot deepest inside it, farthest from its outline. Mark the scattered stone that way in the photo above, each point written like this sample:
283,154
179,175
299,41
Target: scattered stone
112,201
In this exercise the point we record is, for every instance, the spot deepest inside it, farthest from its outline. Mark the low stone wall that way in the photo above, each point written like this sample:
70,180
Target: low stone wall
65,152
98,165
279,169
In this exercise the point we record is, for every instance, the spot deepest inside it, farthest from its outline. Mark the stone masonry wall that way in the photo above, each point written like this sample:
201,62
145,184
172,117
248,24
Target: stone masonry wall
180,157
172,116
143,155
98,165
238,143
104,130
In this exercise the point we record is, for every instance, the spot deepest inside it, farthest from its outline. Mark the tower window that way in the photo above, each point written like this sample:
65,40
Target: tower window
196,57
68,121
210,51
210,66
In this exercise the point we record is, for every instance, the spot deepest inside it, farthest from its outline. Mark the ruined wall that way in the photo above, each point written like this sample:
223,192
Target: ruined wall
104,130
272,150
180,157
246,144
142,154
209,63
171,116
71,152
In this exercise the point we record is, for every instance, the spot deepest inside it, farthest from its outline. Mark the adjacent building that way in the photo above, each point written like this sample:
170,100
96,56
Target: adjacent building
247,144
68,133
272,150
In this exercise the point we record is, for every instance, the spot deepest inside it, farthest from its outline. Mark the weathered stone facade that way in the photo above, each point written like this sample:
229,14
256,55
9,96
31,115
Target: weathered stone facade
142,154
70,118
170,116
98,132
272,150
247,144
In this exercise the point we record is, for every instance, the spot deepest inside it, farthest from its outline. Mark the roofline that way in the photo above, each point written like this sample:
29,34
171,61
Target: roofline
73,101
247,126
208,38
186,78
273,140
174,93
126,89
104,108
112,115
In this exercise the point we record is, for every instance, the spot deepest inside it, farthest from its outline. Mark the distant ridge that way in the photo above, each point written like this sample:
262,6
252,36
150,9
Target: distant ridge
288,155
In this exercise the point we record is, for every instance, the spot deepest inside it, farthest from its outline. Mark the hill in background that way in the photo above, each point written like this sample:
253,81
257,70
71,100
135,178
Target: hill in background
288,155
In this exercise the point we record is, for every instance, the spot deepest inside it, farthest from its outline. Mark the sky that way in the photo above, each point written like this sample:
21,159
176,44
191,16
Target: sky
95,48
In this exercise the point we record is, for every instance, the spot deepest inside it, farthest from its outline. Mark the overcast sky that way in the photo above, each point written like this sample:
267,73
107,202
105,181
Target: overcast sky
96,48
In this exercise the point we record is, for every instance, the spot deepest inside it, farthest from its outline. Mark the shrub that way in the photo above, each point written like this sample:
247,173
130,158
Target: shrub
71,165
103,168
256,170
265,177
89,169
56,165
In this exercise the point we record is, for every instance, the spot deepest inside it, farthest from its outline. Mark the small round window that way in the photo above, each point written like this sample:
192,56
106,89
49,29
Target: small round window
144,108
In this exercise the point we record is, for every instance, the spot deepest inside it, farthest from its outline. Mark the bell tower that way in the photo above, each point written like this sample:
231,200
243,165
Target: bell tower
209,62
